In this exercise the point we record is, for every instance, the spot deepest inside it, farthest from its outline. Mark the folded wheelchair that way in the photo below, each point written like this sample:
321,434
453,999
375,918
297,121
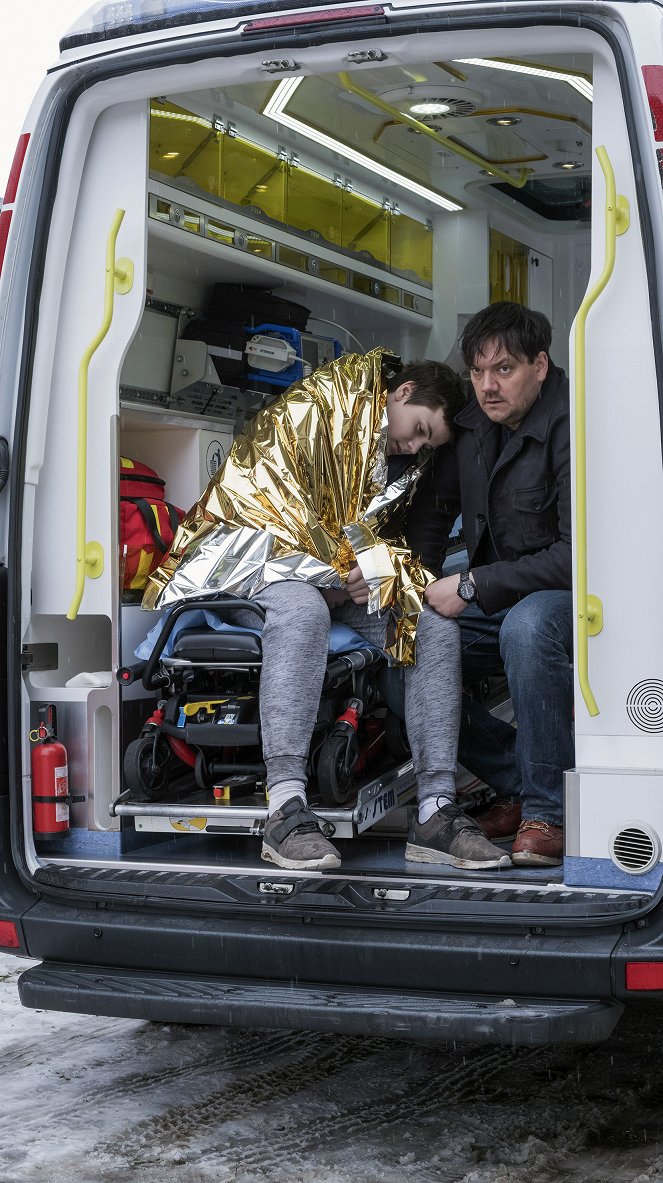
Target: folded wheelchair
205,731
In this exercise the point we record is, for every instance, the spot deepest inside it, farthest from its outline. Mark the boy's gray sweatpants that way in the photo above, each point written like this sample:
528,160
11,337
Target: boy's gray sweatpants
295,640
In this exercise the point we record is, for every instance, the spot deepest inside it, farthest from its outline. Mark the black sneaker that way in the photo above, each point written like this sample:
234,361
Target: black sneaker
451,837
294,840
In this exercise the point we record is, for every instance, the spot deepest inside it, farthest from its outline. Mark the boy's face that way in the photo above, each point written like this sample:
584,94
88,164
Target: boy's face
410,426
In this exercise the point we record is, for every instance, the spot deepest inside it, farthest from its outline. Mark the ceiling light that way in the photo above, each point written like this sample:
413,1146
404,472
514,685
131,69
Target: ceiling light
169,155
568,165
181,117
430,107
577,81
275,109
504,121
426,101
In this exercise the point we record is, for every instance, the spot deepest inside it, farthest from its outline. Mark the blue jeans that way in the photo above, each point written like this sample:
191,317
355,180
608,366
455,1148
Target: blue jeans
532,643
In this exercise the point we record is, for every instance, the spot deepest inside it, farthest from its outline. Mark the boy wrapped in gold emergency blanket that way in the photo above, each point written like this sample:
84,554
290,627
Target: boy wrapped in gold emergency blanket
303,494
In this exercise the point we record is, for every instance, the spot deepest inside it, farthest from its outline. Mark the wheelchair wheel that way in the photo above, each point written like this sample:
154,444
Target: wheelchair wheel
202,776
147,779
335,779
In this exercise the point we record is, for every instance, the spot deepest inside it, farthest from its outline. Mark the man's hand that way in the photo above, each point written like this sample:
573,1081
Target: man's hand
334,596
357,586
442,596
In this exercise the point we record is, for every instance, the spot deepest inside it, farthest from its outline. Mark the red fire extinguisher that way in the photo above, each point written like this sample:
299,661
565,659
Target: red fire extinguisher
50,778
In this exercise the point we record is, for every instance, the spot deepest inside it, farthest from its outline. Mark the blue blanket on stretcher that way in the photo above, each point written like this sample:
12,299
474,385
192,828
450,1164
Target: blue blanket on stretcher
341,639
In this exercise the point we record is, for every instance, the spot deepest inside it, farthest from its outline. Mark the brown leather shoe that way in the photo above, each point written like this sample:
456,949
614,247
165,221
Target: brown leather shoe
538,844
501,821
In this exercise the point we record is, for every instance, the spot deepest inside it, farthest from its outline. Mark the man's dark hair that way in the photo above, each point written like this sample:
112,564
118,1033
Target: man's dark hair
522,332
436,386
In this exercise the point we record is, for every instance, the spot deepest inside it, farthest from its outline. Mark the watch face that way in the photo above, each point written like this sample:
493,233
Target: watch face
466,590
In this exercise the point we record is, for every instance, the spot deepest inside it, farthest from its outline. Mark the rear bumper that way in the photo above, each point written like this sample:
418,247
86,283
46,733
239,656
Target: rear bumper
236,1002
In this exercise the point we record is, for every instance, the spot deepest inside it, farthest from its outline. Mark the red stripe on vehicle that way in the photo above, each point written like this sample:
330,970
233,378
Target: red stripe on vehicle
5,221
15,170
653,76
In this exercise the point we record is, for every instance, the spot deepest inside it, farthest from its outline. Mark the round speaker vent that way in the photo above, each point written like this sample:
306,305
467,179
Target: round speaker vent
644,705
635,848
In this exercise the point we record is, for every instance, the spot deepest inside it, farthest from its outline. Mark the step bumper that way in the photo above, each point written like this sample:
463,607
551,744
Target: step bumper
236,1002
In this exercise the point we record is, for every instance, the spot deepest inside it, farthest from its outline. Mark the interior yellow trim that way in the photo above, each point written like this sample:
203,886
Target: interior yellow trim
451,70
515,160
401,117
485,112
490,161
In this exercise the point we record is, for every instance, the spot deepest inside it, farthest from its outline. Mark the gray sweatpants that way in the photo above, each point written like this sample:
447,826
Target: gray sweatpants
295,641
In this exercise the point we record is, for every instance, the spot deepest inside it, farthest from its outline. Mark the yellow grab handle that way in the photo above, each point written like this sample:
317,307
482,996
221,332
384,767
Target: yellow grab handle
589,609
90,555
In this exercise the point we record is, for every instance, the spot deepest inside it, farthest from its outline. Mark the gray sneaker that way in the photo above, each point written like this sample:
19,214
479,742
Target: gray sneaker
294,840
451,837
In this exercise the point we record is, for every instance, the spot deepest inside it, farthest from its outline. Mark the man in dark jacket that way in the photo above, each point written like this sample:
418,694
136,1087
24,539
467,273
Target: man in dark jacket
514,602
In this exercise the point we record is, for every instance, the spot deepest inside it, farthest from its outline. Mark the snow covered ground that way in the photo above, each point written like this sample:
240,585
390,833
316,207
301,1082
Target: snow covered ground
111,1101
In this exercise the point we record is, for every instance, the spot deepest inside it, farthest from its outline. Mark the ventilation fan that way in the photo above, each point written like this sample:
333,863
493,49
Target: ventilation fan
430,104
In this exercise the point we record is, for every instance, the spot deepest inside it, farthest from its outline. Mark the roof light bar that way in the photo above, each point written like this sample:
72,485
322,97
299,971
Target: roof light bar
125,18
275,109
577,81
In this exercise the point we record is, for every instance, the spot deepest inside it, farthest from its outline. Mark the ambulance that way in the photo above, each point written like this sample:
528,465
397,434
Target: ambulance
189,173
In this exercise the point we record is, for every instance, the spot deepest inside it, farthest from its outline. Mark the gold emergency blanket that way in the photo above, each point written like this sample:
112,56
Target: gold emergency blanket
303,494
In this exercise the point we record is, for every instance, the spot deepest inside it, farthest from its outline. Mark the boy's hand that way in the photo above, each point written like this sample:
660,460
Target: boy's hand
357,586
442,596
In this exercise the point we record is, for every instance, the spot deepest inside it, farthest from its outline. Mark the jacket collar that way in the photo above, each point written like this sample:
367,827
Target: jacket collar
537,421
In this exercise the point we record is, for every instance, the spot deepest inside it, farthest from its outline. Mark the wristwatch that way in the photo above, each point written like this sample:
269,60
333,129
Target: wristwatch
466,588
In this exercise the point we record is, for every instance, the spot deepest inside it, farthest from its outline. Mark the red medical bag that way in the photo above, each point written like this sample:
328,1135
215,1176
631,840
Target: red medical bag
147,522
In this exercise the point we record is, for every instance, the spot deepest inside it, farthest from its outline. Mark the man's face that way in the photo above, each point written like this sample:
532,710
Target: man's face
507,386
410,426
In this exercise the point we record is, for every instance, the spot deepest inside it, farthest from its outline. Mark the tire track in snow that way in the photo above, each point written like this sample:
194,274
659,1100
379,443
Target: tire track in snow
263,1148
124,1088
221,1060
315,1058
370,1115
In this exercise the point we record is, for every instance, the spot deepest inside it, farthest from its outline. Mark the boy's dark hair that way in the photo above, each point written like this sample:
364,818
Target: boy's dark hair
436,386
522,332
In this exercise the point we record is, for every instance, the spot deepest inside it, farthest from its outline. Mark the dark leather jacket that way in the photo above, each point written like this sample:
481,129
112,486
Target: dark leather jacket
521,495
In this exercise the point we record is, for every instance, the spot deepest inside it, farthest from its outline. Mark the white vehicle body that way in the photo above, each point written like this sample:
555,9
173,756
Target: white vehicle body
92,367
